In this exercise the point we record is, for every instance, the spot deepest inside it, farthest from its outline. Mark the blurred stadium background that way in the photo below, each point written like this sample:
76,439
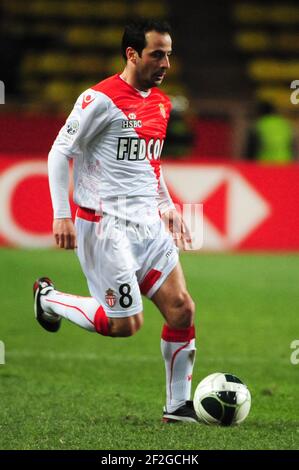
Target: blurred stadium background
229,57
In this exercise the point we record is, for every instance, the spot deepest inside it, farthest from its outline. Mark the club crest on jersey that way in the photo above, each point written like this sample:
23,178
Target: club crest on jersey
110,297
162,110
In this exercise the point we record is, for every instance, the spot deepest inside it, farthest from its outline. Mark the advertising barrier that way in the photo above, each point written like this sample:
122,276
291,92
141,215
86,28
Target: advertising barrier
245,206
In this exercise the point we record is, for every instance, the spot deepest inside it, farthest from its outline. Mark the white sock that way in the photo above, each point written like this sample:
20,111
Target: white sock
79,310
179,357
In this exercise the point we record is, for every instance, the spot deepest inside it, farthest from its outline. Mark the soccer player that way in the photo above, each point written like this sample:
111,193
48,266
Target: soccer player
115,136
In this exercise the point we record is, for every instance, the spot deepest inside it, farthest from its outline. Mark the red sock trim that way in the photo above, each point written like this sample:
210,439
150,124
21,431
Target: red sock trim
101,322
178,335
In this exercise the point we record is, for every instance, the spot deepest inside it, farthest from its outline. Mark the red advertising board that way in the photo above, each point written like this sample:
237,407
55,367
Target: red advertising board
245,206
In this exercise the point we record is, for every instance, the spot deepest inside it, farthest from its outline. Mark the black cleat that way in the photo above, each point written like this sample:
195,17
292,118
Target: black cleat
184,413
48,321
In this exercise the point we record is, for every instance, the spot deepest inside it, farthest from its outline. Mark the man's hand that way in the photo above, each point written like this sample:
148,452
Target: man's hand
177,227
64,233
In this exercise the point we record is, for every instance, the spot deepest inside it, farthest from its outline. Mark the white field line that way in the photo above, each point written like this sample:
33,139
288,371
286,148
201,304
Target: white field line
85,356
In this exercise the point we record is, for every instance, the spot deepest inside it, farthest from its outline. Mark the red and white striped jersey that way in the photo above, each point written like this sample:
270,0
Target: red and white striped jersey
115,135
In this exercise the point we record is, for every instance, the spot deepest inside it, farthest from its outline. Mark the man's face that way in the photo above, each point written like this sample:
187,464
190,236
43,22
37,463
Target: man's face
151,67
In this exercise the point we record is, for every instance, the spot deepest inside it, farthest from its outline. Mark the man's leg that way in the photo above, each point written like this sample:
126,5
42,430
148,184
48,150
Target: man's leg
115,305
178,337
83,311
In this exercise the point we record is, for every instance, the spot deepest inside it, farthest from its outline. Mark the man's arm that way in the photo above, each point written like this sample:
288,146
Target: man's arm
172,218
86,119
63,227
165,201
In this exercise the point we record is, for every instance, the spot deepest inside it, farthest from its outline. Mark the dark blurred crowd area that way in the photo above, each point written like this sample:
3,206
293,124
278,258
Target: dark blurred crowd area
230,78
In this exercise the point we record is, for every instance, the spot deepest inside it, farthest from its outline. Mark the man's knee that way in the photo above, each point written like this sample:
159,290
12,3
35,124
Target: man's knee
183,311
124,327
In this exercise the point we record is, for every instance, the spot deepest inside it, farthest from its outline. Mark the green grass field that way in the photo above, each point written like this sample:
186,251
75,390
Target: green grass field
78,390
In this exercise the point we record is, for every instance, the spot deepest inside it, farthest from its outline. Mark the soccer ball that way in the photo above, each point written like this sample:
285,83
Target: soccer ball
222,399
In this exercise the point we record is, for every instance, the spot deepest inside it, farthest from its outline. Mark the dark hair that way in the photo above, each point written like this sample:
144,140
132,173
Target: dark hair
134,34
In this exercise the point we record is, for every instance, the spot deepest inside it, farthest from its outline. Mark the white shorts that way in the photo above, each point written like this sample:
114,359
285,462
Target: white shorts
121,262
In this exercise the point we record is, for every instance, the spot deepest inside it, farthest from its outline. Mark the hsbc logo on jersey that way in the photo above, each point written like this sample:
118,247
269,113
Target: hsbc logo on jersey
131,124
133,148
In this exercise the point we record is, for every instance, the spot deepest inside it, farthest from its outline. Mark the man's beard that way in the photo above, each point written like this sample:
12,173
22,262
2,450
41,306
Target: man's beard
146,83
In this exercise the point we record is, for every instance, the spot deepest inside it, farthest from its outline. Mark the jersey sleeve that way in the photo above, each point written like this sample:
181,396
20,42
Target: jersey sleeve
88,118
58,172
165,202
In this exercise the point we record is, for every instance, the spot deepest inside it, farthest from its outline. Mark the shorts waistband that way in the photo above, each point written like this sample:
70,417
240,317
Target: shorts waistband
88,214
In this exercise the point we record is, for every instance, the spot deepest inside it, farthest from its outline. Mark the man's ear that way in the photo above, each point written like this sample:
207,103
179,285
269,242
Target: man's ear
131,54
134,60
